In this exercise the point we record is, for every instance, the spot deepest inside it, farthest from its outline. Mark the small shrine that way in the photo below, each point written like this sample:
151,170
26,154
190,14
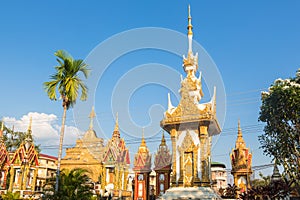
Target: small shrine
4,160
162,167
191,126
24,162
142,169
116,163
241,161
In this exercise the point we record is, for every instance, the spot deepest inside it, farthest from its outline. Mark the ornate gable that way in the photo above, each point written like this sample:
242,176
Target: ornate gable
110,156
26,154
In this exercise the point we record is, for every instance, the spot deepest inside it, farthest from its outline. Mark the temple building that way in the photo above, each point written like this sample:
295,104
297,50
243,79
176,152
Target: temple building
162,167
241,161
191,126
4,161
142,169
107,165
116,163
24,164
87,153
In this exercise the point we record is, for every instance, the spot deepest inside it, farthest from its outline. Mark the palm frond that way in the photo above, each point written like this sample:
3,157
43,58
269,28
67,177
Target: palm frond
66,79
50,88
63,55
84,91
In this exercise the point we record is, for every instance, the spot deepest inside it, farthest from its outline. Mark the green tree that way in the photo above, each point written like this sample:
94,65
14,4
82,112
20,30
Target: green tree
11,196
280,110
230,192
73,184
68,83
13,139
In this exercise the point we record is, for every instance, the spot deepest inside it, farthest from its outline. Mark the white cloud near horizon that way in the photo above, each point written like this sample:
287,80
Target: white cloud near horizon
45,129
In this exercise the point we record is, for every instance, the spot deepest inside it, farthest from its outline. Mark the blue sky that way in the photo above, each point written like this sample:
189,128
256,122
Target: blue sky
251,42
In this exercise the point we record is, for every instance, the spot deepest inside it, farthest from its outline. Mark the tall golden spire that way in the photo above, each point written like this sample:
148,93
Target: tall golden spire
143,147
240,140
116,133
30,125
163,140
191,60
28,138
189,27
117,122
92,116
239,128
143,143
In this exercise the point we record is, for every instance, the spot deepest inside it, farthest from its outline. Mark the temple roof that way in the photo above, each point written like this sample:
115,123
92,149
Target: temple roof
142,159
163,157
26,152
240,143
116,151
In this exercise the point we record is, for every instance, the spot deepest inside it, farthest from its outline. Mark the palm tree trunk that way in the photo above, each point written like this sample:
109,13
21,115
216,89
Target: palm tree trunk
62,131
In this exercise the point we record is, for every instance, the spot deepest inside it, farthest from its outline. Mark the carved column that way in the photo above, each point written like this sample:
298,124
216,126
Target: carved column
173,138
204,156
34,179
197,181
12,178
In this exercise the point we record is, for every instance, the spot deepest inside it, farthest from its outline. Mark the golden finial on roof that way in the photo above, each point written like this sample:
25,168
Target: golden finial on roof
143,143
30,124
28,137
240,140
163,140
143,147
190,27
117,122
91,116
239,128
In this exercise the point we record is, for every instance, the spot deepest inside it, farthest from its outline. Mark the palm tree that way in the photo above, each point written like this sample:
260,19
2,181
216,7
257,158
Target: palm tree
74,184
67,81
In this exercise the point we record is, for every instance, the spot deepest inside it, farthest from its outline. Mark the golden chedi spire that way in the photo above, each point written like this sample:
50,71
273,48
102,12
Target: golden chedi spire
240,143
92,116
29,130
163,140
117,122
30,124
143,147
190,64
28,137
116,133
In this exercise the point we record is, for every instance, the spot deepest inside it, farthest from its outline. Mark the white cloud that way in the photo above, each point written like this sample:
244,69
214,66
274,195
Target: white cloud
45,129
